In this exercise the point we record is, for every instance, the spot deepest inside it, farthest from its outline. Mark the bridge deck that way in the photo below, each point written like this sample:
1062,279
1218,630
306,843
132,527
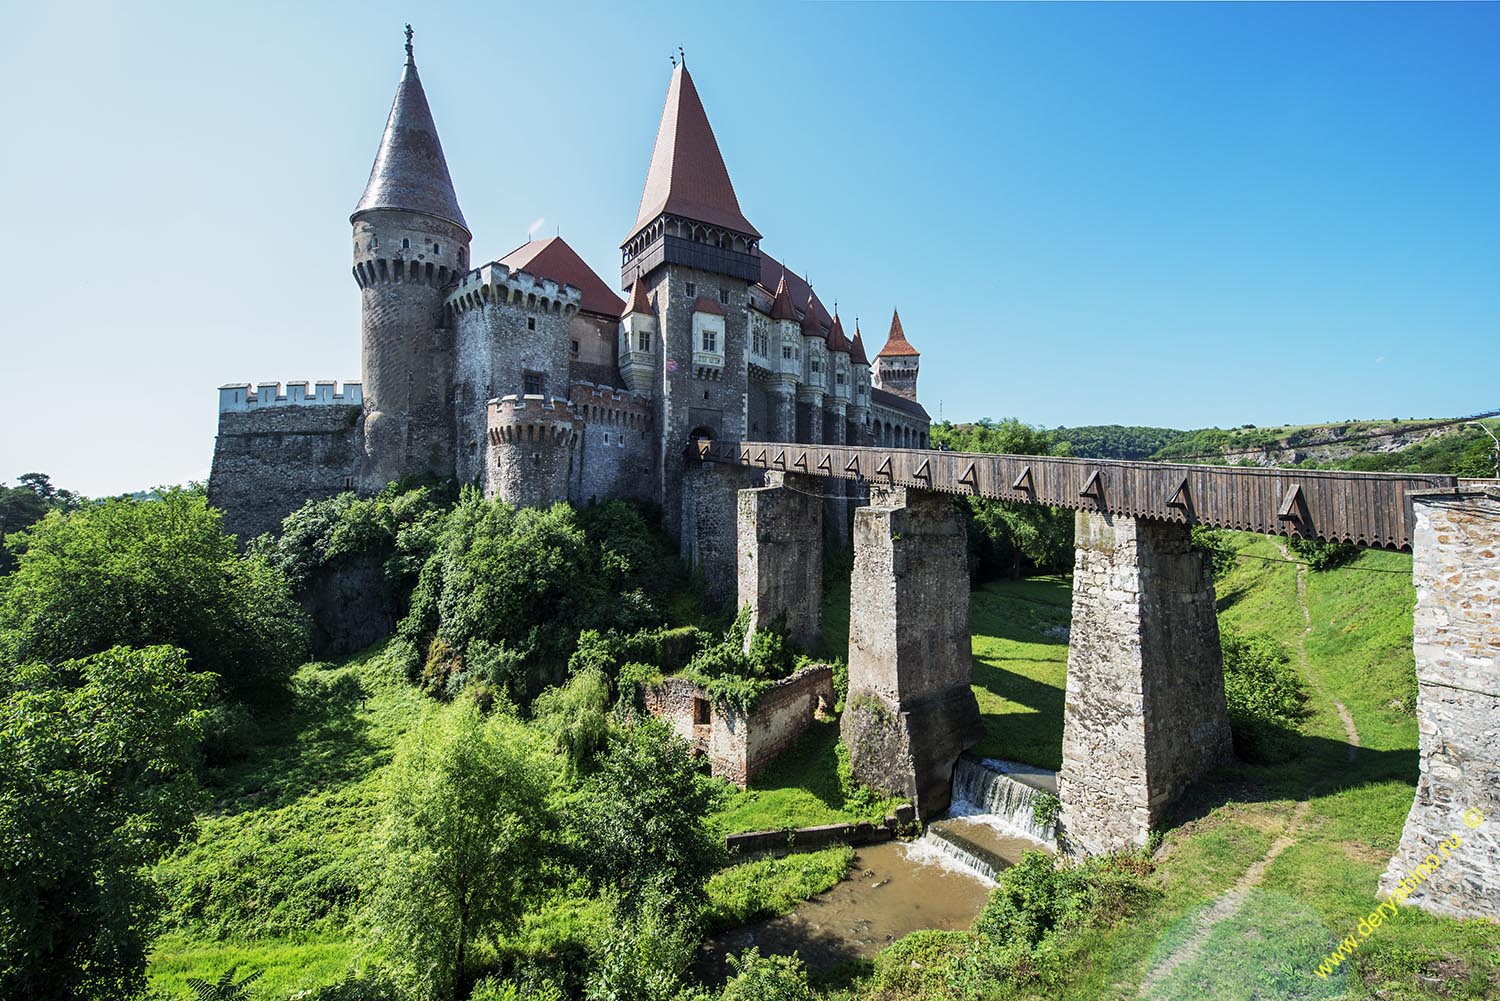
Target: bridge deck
1370,509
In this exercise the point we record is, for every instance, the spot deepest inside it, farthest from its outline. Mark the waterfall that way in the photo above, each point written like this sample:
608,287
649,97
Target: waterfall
947,848
1006,793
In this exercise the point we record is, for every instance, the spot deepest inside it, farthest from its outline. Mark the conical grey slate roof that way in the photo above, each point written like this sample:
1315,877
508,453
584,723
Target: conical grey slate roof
410,172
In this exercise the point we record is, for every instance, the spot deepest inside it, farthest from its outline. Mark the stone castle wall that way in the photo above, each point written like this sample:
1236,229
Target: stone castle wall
532,450
617,454
269,461
1456,639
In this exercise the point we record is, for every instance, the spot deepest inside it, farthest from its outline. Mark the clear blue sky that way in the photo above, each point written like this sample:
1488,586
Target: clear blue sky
1174,215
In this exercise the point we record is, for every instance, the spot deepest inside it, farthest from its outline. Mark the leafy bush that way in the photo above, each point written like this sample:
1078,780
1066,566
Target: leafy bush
732,676
1045,809
577,716
1323,555
96,768
1217,544
1264,695
771,886
230,733
766,978
527,583
149,573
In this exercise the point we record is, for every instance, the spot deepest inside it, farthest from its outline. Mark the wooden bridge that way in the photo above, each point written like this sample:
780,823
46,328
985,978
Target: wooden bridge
1368,509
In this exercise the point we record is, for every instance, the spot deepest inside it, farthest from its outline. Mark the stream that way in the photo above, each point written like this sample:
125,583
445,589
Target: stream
940,881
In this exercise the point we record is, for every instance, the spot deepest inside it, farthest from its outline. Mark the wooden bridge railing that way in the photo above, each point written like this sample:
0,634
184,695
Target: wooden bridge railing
1370,509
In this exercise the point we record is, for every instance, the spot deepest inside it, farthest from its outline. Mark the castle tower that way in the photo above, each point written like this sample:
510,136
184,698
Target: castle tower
533,443
694,254
896,365
410,241
859,400
786,355
840,384
814,385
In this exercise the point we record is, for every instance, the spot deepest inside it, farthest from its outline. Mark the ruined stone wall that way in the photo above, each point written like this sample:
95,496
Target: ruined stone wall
780,548
1456,639
268,462
784,713
1144,712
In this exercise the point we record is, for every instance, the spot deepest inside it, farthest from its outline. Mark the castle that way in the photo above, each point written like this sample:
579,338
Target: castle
529,377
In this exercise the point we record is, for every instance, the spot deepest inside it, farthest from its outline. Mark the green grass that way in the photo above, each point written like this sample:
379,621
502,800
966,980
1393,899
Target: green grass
801,788
768,887
1020,671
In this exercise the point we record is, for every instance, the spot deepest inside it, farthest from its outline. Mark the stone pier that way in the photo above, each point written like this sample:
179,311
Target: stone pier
911,710
1145,710
780,531
1456,639
709,535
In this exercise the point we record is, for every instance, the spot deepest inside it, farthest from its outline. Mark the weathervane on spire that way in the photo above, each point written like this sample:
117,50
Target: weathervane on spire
408,43
673,58
682,57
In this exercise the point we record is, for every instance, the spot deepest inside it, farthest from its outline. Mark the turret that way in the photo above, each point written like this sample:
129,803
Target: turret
533,443
859,375
410,241
638,340
896,365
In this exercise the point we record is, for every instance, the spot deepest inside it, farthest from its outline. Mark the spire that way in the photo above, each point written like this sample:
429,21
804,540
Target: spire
639,301
687,176
810,324
409,171
857,348
781,306
896,343
837,341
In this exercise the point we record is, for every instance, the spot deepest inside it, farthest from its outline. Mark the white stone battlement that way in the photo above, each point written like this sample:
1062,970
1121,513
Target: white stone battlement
496,284
242,396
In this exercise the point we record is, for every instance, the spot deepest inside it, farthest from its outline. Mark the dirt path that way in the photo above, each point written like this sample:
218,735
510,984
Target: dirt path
1351,734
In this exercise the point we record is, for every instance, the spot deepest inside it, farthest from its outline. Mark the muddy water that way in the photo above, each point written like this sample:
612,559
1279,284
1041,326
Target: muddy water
893,889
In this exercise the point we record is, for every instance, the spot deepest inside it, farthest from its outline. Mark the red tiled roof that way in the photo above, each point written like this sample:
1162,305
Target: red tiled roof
837,341
639,301
707,304
553,258
857,348
781,304
810,322
897,344
687,176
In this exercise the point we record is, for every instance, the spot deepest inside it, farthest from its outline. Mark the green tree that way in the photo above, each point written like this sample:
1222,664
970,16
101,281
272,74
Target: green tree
766,978
466,829
26,504
577,716
641,821
96,783
146,573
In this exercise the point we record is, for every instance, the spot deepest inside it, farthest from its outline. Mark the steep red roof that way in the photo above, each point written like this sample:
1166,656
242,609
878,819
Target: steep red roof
810,322
773,271
781,305
707,304
553,258
837,341
857,348
687,176
897,344
639,301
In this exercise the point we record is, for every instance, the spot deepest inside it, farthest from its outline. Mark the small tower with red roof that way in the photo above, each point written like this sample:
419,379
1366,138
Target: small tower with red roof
896,365
638,340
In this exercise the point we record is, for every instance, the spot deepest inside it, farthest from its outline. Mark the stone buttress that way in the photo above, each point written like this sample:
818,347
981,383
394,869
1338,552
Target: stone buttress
780,549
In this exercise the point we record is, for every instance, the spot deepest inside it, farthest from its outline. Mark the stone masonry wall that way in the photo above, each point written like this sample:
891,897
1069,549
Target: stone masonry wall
1456,639
617,449
1144,713
911,710
709,526
780,532
268,462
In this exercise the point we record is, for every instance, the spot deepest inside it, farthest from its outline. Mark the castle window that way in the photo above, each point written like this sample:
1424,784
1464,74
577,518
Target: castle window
575,349
692,289
374,242
645,341
711,340
724,296
437,248
840,378
405,244
817,366
532,383
531,323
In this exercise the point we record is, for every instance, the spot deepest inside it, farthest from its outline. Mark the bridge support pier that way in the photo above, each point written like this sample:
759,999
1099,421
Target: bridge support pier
911,710
781,556
1145,712
1456,639
709,537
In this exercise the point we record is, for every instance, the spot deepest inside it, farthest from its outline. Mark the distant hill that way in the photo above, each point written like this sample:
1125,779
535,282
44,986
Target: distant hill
1435,445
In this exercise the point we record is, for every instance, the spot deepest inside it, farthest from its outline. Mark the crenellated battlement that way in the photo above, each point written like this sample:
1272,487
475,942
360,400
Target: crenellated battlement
533,420
607,405
242,396
401,271
496,284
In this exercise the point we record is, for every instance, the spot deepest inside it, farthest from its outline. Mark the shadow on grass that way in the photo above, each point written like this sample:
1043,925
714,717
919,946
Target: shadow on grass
810,764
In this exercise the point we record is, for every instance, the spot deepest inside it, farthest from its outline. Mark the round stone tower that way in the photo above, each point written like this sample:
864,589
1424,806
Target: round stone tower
410,241
533,444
